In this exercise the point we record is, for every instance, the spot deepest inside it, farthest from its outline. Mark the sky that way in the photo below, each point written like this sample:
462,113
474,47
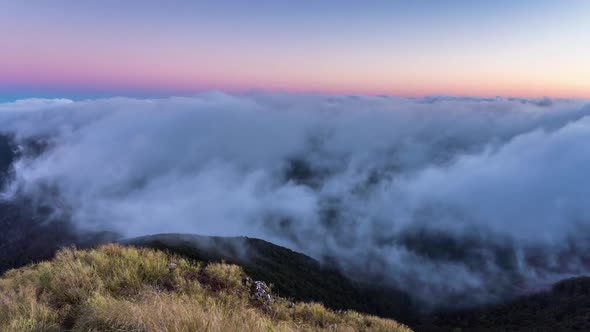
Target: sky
70,48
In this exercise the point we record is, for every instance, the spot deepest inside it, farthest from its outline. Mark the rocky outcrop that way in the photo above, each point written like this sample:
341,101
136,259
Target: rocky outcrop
259,292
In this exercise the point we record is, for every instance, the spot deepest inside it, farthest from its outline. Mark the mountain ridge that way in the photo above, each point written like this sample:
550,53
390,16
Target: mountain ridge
294,275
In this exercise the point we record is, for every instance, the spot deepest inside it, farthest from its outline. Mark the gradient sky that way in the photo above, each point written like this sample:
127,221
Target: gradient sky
407,47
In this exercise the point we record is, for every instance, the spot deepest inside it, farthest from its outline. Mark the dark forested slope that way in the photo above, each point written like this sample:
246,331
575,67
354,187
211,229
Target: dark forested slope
292,274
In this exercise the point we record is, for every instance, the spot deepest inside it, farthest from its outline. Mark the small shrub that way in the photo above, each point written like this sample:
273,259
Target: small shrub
225,275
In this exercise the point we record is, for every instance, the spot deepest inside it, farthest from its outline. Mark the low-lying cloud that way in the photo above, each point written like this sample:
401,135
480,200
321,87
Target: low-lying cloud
456,200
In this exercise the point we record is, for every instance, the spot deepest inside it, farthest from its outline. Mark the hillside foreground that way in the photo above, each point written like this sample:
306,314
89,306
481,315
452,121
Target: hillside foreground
116,288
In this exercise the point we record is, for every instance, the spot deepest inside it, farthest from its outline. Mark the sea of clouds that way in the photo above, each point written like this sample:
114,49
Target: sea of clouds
455,200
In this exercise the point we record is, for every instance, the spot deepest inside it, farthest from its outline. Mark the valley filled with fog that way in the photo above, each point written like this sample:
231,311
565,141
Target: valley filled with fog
458,201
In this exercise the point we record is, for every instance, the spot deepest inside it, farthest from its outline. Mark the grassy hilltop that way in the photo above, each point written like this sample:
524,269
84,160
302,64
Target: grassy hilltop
116,288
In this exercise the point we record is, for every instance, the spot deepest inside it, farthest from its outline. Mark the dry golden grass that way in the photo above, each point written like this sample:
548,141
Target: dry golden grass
115,288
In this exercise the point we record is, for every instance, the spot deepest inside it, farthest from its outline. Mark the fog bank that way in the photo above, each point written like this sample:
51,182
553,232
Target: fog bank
455,200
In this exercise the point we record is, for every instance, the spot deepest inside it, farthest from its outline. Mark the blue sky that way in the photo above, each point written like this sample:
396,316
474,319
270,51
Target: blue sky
413,48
